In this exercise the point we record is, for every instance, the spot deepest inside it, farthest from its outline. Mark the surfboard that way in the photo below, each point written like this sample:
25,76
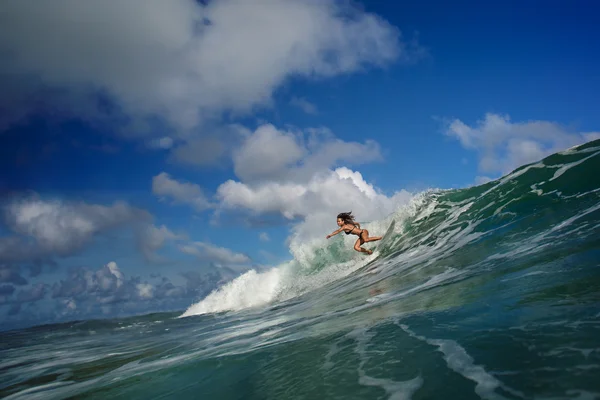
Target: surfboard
387,235
384,240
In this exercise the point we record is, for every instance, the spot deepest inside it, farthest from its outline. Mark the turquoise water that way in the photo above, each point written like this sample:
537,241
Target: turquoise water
487,292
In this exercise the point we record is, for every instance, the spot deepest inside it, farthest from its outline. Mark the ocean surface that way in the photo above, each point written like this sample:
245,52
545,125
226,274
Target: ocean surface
487,292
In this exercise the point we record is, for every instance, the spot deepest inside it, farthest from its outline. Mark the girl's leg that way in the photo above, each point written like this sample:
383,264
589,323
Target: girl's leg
359,242
365,237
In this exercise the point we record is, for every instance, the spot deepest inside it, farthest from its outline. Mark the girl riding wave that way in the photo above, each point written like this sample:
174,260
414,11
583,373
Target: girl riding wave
347,224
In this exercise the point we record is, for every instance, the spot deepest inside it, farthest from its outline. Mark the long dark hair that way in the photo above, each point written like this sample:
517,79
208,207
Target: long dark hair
347,217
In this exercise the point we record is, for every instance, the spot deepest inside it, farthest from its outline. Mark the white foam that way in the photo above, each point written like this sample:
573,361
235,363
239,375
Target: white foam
525,275
397,390
333,350
291,279
513,175
460,361
574,218
251,289
560,350
568,166
570,394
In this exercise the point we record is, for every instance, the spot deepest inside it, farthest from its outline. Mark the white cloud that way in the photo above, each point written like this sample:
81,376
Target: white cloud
162,143
11,274
181,192
315,202
209,147
108,278
266,153
116,272
181,60
29,294
145,290
203,151
108,285
503,145
339,188
70,304
210,252
44,229
480,180
290,173
152,238
270,154
591,136
65,227
304,105
85,292
264,237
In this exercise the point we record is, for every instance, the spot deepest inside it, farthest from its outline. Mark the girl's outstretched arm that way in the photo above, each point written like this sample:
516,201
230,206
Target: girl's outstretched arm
334,233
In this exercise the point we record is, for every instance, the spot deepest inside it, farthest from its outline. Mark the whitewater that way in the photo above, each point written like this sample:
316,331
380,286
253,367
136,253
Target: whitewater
485,292
315,264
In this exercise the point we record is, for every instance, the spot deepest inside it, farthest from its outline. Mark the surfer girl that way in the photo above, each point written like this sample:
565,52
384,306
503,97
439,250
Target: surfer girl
346,223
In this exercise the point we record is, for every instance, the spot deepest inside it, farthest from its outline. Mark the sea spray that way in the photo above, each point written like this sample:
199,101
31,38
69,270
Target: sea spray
316,263
251,289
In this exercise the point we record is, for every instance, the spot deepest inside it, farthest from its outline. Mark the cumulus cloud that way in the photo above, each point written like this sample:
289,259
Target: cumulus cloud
46,228
32,294
145,290
480,180
503,145
304,105
266,153
27,295
211,147
42,230
6,292
270,154
297,175
264,237
183,61
216,254
316,202
152,238
164,143
103,284
108,285
201,151
87,293
181,192
10,274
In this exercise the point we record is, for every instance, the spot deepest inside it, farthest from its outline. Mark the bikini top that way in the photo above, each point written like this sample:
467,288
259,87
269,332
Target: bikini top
350,231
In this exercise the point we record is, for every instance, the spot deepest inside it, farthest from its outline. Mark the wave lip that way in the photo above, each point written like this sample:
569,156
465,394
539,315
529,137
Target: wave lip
315,264
251,289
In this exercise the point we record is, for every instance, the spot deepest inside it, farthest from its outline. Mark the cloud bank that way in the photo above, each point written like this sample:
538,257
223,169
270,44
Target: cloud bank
63,228
299,176
166,187
503,145
39,231
181,61
86,292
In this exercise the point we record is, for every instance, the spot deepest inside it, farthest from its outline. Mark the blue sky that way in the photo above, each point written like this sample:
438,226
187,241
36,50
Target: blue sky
151,150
